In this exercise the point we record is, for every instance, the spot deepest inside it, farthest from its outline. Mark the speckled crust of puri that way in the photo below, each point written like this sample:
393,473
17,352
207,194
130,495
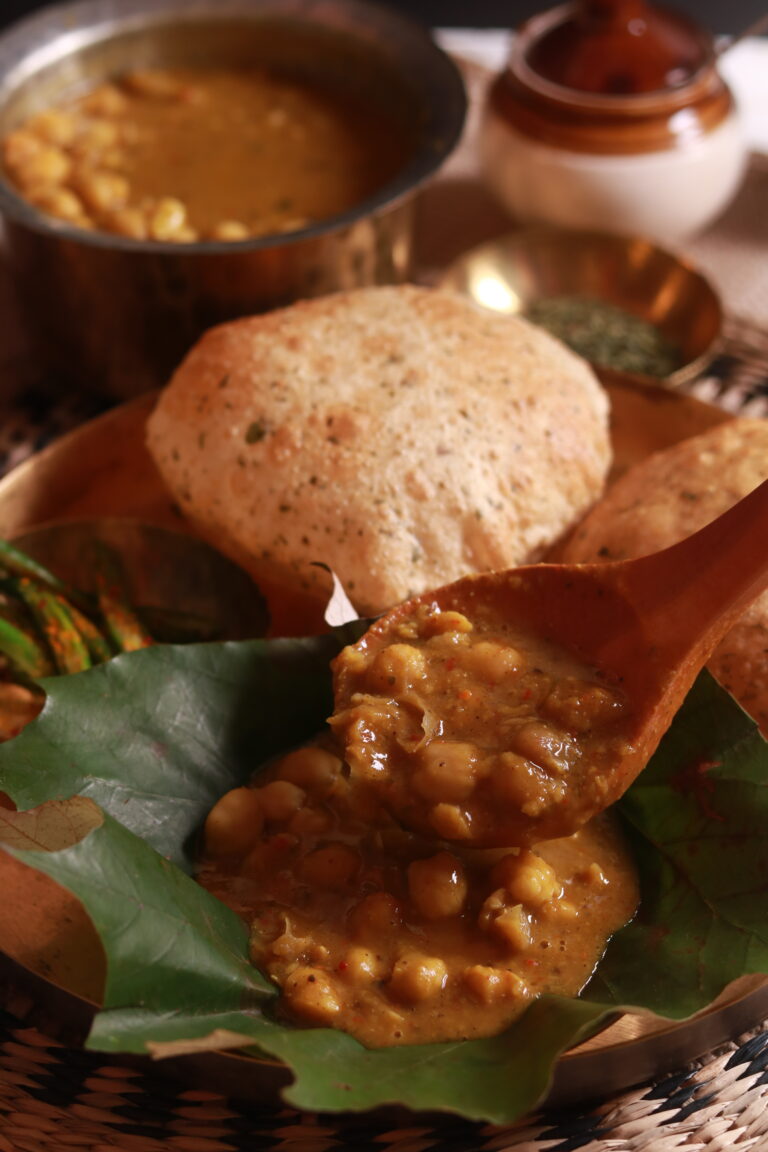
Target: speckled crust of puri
399,435
671,495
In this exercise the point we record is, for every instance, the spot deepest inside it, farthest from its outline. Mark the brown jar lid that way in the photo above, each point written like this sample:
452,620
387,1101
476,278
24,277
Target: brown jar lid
619,47
611,77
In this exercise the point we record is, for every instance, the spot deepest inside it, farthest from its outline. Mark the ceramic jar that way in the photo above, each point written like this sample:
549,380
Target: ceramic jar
613,116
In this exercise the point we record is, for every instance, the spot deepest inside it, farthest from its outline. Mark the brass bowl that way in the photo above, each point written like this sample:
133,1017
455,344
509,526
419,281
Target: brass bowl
509,273
118,314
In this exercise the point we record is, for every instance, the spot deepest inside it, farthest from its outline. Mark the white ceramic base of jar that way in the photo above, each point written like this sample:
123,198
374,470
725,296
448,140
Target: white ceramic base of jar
665,196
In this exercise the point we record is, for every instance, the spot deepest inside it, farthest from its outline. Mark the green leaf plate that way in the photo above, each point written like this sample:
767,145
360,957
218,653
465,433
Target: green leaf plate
114,779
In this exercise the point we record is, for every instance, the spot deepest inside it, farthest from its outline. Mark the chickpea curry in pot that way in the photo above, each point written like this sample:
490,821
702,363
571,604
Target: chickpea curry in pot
414,934
186,155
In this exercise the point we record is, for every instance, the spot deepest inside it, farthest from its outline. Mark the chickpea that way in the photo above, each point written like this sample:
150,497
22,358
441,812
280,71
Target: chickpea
514,927
450,645
102,191
493,662
376,915
549,792
280,799
407,629
129,222
509,922
230,230
94,137
562,910
167,219
316,771
234,824
580,706
20,147
449,822
514,780
440,622
543,745
59,202
154,84
55,126
49,166
437,886
369,714
448,770
318,954
416,977
106,100
361,966
395,669
332,867
310,994
269,854
288,947
309,822
185,235
352,661
528,878
536,805
493,905
490,984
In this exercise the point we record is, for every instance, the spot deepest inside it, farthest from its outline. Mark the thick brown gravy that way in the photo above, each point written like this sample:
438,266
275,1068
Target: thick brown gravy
399,939
462,725
185,155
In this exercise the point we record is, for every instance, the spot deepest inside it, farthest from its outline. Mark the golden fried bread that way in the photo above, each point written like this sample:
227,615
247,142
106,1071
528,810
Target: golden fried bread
400,435
667,497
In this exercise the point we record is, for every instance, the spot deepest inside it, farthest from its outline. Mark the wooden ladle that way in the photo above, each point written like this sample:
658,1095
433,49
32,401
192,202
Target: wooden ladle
646,625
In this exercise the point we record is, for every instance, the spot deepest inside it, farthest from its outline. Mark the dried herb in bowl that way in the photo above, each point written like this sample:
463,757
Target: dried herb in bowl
606,334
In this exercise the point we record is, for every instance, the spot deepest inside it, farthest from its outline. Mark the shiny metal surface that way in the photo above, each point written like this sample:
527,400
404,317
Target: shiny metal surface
509,273
118,313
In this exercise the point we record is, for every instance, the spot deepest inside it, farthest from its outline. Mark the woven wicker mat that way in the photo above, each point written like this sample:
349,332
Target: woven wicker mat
55,1098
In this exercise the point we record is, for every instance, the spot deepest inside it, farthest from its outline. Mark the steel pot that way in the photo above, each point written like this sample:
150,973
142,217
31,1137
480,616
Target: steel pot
118,314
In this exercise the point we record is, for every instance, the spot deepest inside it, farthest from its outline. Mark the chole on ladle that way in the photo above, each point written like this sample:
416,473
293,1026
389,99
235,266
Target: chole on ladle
642,629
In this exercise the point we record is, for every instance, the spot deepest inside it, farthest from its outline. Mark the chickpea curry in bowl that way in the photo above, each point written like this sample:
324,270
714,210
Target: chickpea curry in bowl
402,939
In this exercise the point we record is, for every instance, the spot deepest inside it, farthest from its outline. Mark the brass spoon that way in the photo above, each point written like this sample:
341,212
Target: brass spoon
646,625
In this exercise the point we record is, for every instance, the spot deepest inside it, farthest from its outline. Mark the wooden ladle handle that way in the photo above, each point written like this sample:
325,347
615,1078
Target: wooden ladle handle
696,589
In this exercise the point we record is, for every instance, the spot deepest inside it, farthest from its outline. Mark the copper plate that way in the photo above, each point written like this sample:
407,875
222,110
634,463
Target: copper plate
103,468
